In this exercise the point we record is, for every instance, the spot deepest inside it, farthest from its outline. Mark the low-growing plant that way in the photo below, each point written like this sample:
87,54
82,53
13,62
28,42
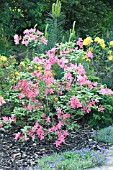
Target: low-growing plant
71,160
104,134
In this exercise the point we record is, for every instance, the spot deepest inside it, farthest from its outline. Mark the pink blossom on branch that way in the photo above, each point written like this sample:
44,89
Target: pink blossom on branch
75,103
89,54
43,40
17,135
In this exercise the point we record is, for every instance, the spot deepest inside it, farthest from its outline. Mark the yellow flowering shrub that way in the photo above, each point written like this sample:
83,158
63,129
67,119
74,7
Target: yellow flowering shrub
87,41
99,57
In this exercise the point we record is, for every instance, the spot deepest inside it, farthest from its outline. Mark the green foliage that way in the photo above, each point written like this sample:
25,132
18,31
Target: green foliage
92,17
105,118
55,22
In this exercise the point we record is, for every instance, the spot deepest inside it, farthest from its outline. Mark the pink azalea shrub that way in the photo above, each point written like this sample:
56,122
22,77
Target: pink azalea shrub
49,98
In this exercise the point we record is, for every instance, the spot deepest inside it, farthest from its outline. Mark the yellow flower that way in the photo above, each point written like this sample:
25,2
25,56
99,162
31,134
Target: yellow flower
102,45
87,41
88,60
97,39
39,67
101,41
56,99
51,84
30,68
110,52
3,58
16,73
110,57
111,43
22,63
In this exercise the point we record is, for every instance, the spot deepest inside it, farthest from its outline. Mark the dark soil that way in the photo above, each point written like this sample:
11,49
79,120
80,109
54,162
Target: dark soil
15,155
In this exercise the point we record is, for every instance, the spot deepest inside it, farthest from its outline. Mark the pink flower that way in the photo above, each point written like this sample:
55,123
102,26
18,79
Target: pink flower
44,116
59,110
44,40
41,137
95,83
89,54
39,32
80,69
30,107
17,135
17,39
40,131
5,118
24,105
105,91
68,76
67,115
82,79
26,31
57,143
25,137
25,42
58,115
86,109
75,102
54,129
62,62
59,125
62,138
37,74
13,118
101,108
80,42
21,96
1,124
48,119
65,133
50,91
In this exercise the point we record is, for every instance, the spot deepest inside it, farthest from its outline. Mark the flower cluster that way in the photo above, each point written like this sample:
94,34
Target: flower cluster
30,35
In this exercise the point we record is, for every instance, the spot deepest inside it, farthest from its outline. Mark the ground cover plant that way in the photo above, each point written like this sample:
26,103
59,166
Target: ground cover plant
104,134
71,160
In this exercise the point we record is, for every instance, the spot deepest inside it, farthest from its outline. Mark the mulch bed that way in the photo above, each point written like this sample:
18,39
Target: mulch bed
15,155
